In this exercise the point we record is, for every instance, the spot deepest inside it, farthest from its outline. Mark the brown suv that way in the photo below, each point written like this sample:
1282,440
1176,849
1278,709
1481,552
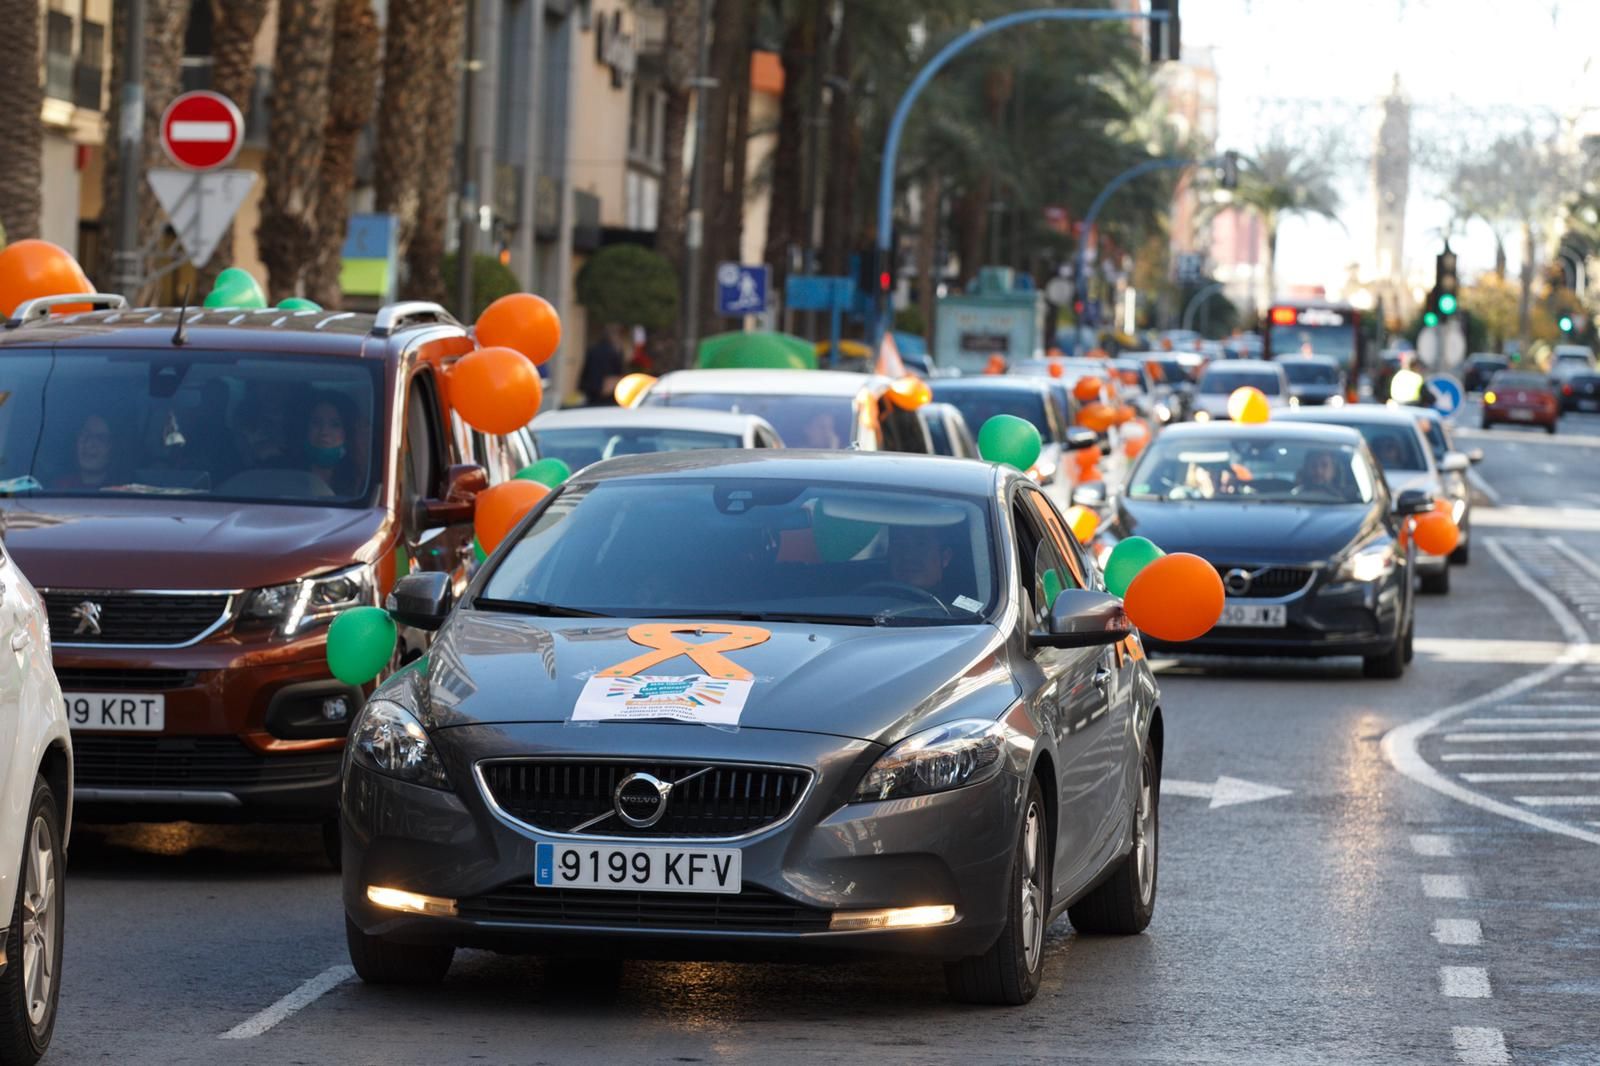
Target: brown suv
196,501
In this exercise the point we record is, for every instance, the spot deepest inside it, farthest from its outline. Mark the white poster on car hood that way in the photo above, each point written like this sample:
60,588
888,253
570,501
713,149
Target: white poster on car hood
686,698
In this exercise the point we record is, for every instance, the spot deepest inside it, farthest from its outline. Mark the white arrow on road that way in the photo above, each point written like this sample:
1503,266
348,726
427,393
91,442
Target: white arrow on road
1225,793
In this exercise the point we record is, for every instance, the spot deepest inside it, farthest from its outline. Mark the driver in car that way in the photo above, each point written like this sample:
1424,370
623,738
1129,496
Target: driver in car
918,557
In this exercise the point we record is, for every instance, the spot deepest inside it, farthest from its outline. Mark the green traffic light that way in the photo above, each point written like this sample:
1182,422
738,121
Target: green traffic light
1430,319
1447,304
1565,323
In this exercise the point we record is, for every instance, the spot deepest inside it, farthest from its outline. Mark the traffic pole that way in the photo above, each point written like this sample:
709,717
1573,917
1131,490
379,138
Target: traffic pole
127,261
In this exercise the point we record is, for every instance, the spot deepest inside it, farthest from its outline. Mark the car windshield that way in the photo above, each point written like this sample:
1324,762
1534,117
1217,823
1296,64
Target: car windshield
801,421
763,549
205,424
1396,447
1223,380
1337,341
1252,468
1309,372
1518,380
977,406
578,447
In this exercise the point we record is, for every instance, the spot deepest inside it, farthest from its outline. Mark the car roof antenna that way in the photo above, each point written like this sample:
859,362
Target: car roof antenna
180,336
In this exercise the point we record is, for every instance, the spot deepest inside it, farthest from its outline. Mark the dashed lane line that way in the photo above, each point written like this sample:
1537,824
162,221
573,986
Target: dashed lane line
1477,1046
1458,932
1445,886
1464,982
1432,845
302,997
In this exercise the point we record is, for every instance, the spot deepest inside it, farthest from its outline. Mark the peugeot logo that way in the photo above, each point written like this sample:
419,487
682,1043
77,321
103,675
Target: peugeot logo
1237,581
641,799
87,615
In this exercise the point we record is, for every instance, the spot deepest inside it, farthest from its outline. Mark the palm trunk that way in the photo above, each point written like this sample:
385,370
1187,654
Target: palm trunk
21,97
235,24
288,233
403,111
928,248
681,54
730,213
1499,255
1271,227
729,46
844,161
784,214
1525,301
425,256
353,88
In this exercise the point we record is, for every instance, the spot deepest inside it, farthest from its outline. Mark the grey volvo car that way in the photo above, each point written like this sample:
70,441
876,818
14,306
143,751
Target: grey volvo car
715,703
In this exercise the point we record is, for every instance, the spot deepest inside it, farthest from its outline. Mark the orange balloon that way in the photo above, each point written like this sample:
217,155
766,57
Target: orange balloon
631,389
1123,414
996,365
1176,598
1057,368
500,507
32,268
496,390
522,322
1086,458
1249,405
1087,389
1436,533
1083,523
1097,416
910,392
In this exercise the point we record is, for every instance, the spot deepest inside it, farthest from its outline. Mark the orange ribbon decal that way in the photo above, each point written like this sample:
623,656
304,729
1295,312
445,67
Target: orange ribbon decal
708,656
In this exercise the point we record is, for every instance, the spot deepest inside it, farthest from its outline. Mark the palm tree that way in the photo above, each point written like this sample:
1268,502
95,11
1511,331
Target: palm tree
21,97
1282,179
680,57
403,152
353,92
234,26
425,256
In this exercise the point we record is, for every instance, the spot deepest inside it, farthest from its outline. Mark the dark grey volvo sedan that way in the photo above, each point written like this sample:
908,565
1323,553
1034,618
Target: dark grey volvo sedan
725,703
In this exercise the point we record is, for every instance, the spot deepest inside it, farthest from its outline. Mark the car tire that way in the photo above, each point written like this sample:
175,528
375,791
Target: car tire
30,989
379,961
1487,424
1551,428
1463,554
1409,645
1390,665
1437,584
1008,973
333,842
1123,904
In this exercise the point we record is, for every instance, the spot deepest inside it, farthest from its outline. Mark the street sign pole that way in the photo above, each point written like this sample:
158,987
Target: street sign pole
128,260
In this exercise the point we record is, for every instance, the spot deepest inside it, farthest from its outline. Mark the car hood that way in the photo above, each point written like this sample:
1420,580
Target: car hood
1246,532
184,544
869,683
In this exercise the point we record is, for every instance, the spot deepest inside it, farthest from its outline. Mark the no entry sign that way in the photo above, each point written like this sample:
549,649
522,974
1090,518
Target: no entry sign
202,130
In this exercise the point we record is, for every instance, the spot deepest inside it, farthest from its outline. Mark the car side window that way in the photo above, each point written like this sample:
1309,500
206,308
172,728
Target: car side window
1081,570
902,431
1043,572
422,462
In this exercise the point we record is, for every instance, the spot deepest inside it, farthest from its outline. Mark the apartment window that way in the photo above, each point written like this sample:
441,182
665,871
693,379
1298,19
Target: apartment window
90,68
58,55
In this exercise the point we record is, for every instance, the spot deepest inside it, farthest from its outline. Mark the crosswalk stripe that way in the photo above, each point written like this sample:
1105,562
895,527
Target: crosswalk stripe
1487,738
1491,778
1522,756
1560,801
1532,721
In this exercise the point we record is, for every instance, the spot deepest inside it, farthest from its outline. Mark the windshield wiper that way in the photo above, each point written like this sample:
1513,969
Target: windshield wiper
772,616
534,607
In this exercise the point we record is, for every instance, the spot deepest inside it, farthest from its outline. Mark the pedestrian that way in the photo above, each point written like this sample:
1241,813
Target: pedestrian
602,367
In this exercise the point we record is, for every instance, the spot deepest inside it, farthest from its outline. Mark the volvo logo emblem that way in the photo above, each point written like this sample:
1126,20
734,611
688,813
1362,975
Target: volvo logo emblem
1237,581
87,615
641,799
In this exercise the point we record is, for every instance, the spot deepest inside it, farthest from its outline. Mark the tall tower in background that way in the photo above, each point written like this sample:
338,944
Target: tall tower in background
1391,179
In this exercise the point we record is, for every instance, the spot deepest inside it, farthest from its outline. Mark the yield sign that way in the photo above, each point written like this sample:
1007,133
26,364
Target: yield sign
201,205
202,130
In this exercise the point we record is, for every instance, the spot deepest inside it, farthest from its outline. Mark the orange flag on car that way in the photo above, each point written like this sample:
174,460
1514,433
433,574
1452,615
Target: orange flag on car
889,362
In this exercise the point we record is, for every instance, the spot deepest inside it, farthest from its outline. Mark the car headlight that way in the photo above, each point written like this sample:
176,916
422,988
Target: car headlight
298,606
935,760
1202,416
1336,400
1163,412
1368,564
1458,508
389,740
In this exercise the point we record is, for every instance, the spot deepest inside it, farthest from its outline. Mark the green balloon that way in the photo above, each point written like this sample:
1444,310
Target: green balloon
1052,588
360,644
236,288
1130,556
551,472
477,550
1010,440
298,303
841,539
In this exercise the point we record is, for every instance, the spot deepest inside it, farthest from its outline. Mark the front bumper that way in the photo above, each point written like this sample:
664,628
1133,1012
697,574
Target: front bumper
949,848
1326,619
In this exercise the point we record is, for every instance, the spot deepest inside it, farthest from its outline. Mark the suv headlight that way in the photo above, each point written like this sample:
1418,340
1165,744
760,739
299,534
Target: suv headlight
302,604
388,739
935,760
1368,564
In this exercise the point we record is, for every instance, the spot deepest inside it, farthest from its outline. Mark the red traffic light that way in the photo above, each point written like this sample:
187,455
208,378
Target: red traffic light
885,281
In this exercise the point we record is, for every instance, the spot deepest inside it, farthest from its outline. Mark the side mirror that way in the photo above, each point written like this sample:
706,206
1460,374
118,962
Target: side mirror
1090,494
1412,502
1454,463
1079,438
1084,619
463,482
1475,455
422,600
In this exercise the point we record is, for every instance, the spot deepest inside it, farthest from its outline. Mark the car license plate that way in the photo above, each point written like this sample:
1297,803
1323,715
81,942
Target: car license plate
1521,414
1255,615
1589,405
95,712
632,869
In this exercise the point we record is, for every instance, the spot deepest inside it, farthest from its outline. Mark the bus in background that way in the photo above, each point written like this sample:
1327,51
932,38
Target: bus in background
1317,327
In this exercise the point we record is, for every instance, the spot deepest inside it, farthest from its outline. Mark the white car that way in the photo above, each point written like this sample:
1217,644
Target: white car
1219,380
35,816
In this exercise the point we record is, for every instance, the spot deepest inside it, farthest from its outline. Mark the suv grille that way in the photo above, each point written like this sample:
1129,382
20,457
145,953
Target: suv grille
192,762
724,801
751,910
1269,581
133,617
91,679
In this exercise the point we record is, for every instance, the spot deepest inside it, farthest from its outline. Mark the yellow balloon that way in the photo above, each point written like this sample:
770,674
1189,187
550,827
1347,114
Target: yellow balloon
1249,405
1083,522
631,389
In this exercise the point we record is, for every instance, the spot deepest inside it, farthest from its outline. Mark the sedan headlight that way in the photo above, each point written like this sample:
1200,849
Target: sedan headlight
1368,564
1202,416
389,740
312,600
935,760
1335,400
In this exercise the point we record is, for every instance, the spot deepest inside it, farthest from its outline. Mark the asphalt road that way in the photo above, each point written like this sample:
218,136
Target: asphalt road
1379,898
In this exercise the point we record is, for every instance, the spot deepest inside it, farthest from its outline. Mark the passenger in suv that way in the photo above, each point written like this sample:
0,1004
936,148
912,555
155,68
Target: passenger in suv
197,495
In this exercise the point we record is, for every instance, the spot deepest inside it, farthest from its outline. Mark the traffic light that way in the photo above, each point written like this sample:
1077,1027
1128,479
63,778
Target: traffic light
1430,318
1445,283
874,273
1164,32
1566,323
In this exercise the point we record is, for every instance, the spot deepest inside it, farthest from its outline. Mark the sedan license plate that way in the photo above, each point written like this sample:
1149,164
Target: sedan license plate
1589,405
1254,615
97,712
1521,414
632,869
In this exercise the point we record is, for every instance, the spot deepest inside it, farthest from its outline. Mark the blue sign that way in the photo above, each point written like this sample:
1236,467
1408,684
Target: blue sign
742,290
1446,394
819,292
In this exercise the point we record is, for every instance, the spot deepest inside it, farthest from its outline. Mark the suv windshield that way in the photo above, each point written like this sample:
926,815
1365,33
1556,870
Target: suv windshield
215,425
752,548
1252,469
1222,381
801,421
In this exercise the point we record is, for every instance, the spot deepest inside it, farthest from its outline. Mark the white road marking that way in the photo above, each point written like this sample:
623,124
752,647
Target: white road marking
302,997
1481,483
1555,708
1579,560
1464,982
1458,932
1474,650
1480,1047
1518,517
1560,801
1445,886
1532,734
1432,845
1226,792
1506,778
1532,721
1523,756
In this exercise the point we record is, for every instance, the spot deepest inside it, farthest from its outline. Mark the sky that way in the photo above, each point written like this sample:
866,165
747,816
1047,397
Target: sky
1470,68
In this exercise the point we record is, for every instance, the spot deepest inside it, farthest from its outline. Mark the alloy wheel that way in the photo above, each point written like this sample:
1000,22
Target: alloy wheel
1144,835
1032,894
39,917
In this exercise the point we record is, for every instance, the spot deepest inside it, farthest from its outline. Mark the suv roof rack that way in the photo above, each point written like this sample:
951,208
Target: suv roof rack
393,317
38,308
